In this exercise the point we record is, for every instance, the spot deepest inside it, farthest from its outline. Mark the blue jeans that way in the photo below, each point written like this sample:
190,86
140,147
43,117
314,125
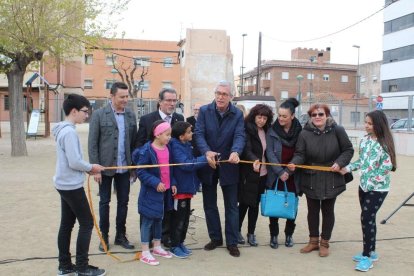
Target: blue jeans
150,227
122,186
74,205
212,213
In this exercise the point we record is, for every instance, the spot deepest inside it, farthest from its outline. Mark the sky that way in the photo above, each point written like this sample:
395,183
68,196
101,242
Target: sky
285,25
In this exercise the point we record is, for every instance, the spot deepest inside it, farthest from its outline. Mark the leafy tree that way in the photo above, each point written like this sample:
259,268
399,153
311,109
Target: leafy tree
29,29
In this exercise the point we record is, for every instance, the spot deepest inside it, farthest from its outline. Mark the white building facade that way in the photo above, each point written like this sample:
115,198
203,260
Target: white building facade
397,70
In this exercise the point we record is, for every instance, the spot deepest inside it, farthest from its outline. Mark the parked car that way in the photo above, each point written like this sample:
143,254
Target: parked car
402,124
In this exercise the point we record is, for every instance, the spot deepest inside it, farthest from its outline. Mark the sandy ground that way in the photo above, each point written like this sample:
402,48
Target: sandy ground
30,213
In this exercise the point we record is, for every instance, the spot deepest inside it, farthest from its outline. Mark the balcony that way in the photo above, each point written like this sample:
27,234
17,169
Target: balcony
265,84
250,88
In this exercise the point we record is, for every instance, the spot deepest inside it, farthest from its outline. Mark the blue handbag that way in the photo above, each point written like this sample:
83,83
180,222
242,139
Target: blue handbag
279,204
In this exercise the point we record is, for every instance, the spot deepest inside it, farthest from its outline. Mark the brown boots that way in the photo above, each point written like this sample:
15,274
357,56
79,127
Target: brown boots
311,246
324,248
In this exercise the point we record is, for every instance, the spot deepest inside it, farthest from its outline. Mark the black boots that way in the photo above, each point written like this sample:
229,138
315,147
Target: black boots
121,239
251,239
289,241
273,242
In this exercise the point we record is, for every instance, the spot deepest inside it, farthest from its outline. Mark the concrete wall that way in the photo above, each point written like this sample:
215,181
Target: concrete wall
206,59
404,141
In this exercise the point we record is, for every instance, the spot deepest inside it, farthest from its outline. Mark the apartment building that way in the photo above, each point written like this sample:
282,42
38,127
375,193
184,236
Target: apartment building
156,61
309,71
397,73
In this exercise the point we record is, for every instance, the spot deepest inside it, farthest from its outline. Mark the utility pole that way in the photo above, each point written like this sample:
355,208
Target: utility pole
259,62
242,69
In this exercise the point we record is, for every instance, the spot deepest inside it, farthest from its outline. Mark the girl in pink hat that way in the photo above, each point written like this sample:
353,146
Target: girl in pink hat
157,189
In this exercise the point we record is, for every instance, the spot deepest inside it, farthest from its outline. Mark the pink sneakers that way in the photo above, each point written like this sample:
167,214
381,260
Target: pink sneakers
150,260
162,253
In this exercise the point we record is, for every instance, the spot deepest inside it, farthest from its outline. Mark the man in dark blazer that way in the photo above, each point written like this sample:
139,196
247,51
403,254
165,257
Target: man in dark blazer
167,101
220,130
112,138
192,119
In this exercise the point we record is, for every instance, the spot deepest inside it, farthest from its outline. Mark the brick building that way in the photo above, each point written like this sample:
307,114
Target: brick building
281,78
158,60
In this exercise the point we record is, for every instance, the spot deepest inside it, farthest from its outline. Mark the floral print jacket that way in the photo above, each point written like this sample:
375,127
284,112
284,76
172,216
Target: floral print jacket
374,164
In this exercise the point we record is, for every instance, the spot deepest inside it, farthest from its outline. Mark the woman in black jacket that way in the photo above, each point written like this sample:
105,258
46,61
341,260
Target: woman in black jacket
281,141
322,143
253,177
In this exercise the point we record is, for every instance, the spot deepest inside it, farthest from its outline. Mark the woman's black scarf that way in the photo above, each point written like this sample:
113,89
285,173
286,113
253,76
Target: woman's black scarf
289,138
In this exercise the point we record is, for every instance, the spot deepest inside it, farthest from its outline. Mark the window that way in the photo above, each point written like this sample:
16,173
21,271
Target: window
88,84
362,79
266,76
402,84
398,24
344,78
254,81
110,60
7,103
311,76
355,117
108,84
398,54
284,95
325,77
285,75
142,61
168,62
393,88
166,84
88,59
145,85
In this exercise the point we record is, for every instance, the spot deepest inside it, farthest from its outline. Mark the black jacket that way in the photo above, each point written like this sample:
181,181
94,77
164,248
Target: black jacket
145,125
323,148
249,188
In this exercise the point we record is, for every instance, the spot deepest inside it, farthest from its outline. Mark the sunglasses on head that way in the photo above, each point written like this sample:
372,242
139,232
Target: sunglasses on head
321,114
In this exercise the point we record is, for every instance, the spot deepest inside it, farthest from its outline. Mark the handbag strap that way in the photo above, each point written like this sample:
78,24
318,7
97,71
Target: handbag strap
284,183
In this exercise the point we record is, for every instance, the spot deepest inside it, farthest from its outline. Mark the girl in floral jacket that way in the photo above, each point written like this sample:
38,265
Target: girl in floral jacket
376,160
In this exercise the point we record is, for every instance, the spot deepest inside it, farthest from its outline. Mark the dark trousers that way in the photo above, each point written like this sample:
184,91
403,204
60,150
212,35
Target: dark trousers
370,204
122,186
252,215
74,205
166,221
252,211
212,213
327,207
179,221
274,227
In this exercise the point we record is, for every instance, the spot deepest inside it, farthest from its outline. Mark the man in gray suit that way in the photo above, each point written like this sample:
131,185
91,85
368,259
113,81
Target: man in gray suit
112,138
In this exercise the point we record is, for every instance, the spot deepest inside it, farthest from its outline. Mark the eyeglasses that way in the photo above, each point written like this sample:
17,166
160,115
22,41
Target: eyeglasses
218,94
86,111
318,114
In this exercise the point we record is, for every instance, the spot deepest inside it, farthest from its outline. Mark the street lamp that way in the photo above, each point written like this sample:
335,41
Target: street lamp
299,78
242,67
312,59
356,90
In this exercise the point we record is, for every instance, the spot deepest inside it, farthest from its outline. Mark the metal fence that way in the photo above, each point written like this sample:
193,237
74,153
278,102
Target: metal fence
351,113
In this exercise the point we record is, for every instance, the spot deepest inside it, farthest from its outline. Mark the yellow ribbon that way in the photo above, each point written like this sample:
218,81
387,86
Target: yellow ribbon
138,253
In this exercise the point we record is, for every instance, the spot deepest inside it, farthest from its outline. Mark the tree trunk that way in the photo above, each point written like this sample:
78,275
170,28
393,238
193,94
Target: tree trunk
17,131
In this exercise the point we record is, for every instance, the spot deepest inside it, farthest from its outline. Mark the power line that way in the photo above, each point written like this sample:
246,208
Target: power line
333,33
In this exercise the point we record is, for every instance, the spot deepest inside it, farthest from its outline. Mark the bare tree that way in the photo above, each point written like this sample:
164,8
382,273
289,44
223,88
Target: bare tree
127,71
